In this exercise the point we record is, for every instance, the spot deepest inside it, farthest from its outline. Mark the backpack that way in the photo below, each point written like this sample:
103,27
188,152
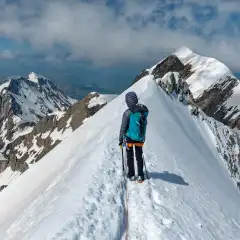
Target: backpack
137,126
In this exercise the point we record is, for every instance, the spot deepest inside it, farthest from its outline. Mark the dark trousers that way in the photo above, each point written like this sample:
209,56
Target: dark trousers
130,161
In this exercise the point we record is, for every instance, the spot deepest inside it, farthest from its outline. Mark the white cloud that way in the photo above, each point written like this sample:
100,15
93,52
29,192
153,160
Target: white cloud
6,54
91,31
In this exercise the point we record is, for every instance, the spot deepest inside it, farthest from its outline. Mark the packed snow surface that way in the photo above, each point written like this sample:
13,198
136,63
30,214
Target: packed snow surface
77,191
8,175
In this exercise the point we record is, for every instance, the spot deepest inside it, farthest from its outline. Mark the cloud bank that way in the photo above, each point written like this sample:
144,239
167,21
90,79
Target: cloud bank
120,31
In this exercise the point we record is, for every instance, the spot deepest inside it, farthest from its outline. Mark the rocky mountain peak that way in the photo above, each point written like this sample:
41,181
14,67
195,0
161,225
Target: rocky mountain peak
31,99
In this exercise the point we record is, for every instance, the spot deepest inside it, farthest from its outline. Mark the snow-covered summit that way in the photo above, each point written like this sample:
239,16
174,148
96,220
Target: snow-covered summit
206,71
34,77
212,84
183,52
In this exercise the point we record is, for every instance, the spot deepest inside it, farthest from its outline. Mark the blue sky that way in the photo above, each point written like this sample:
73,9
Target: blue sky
109,41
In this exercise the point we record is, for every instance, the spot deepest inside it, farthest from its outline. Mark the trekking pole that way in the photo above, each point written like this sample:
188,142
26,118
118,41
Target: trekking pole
123,168
145,167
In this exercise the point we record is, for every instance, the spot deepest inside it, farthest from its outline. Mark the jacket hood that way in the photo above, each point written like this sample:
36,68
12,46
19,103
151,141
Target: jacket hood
131,99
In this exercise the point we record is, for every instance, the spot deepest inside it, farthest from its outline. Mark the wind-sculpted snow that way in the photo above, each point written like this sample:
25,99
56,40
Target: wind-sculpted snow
79,192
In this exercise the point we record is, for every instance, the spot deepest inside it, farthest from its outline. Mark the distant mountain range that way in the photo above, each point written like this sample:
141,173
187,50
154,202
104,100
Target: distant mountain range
80,91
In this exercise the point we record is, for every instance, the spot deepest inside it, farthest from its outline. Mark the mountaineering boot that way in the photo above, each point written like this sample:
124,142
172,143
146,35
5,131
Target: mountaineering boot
140,179
132,178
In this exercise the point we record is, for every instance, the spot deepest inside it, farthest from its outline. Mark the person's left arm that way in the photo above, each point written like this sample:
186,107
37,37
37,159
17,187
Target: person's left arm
124,126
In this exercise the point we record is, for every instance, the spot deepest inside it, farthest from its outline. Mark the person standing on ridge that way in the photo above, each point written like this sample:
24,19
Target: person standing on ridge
132,133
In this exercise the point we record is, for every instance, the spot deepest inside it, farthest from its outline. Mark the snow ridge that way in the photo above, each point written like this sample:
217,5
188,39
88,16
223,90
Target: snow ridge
189,196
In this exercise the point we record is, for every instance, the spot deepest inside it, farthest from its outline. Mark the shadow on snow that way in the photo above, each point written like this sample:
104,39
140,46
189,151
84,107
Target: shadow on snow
168,177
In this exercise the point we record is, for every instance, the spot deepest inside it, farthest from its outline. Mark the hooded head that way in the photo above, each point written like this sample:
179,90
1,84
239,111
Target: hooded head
131,99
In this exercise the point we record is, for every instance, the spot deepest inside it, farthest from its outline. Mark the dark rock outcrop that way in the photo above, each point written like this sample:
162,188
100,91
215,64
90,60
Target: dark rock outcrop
2,187
170,64
3,165
228,142
140,76
212,101
30,148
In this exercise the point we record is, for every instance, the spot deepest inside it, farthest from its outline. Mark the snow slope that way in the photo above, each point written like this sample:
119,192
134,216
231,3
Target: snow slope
77,190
